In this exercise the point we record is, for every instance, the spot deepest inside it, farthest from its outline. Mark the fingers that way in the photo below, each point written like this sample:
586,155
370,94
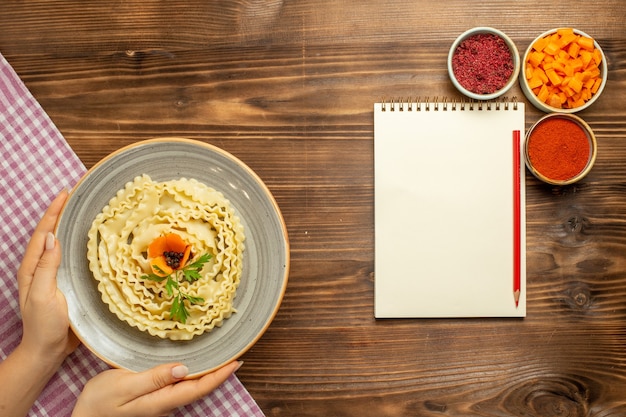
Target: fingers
44,281
161,389
37,244
165,375
188,391
46,224
154,379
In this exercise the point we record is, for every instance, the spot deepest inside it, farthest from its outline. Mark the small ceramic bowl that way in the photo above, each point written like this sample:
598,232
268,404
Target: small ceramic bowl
560,149
541,105
482,79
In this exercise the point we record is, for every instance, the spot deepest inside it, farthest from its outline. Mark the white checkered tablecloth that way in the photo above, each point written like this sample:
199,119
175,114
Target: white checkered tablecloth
37,163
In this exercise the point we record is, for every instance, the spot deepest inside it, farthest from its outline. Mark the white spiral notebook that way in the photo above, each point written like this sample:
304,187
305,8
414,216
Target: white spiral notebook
445,218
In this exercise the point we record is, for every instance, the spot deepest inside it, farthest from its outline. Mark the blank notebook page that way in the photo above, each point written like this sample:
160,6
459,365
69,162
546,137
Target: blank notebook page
444,188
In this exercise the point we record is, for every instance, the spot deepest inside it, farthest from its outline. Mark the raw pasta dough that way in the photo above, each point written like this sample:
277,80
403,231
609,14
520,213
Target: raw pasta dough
138,214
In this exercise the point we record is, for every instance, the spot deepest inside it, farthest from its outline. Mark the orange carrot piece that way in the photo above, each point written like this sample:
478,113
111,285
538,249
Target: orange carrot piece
567,39
159,264
541,74
576,64
575,84
535,82
186,255
541,43
559,66
586,57
535,58
543,93
552,48
175,243
596,86
586,43
554,77
528,71
597,56
573,49
565,31
554,100
157,247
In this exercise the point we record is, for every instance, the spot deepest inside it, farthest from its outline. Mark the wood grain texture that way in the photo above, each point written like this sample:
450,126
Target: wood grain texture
289,87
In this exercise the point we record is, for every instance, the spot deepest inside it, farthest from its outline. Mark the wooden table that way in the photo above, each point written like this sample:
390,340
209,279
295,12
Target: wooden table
289,87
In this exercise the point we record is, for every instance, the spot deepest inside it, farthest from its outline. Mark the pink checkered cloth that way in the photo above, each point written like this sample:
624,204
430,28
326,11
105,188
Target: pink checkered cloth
37,163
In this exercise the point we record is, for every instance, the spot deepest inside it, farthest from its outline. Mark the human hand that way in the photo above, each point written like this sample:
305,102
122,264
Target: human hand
155,392
47,335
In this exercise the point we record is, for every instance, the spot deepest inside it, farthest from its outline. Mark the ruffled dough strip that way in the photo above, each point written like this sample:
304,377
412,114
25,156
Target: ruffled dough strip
138,214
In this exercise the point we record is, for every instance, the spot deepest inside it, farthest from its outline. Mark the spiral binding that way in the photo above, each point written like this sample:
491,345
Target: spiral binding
444,104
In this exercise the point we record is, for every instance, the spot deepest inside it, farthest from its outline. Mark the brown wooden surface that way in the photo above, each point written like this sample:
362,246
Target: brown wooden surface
289,87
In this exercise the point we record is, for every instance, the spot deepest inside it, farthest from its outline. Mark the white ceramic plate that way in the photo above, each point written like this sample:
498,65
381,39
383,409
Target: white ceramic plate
265,263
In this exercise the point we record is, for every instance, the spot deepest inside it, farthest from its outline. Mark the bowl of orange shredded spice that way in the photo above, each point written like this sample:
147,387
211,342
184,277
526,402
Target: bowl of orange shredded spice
560,149
564,70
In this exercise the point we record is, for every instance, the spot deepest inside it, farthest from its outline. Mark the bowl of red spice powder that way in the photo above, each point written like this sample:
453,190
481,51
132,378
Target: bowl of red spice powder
560,149
483,63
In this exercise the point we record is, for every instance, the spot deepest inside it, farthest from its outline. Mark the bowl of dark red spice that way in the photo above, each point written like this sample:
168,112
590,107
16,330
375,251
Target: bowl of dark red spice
483,63
564,71
560,149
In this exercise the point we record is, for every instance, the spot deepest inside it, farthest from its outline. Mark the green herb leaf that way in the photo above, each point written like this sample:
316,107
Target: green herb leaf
170,285
199,263
190,273
153,277
158,270
192,299
178,311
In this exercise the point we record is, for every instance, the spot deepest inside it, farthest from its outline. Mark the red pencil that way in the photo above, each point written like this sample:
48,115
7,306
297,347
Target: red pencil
516,218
